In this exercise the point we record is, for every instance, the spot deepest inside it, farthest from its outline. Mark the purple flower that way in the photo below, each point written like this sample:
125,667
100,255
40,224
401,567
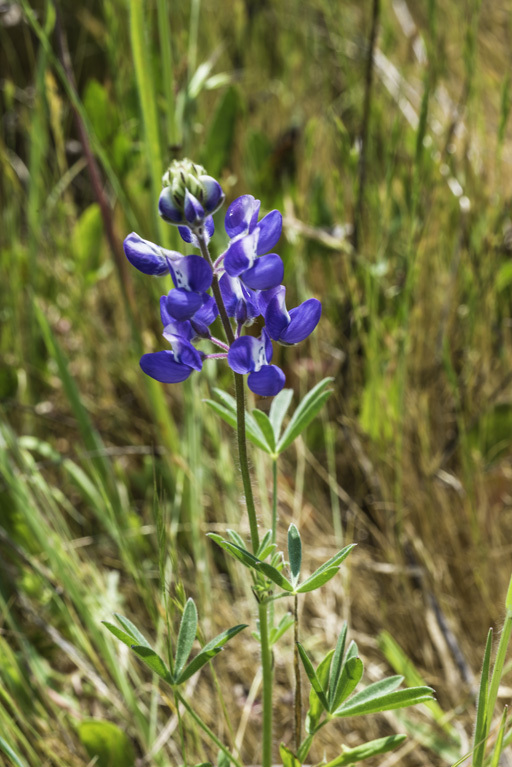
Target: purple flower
240,302
250,241
147,257
253,355
199,322
177,365
187,235
288,327
192,277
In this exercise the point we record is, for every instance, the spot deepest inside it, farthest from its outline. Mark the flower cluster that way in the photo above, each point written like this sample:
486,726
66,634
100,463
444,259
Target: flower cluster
247,274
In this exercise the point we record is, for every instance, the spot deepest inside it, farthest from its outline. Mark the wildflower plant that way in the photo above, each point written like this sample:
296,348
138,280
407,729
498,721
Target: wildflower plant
243,287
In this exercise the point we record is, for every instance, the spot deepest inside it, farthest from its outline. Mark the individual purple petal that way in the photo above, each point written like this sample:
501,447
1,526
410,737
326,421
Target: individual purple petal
245,353
240,255
183,304
277,318
267,272
303,320
187,234
145,256
191,273
269,229
214,196
167,207
269,350
164,313
240,215
194,211
203,318
267,381
164,368
266,296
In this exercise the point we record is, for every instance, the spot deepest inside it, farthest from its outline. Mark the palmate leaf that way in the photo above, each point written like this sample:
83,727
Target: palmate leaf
366,750
307,409
282,627
154,661
186,636
317,579
349,679
239,553
274,575
227,411
209,651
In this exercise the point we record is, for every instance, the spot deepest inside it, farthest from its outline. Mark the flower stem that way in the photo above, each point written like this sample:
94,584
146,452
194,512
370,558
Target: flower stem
240,400
206,729
267,676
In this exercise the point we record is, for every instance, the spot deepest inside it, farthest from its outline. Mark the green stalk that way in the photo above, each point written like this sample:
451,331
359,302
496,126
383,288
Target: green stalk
206,729
500,657
274,499
240,403
267,681
167,67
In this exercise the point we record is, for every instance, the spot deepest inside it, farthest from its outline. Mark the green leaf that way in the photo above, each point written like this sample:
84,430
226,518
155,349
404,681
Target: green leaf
317,579
294,552
243,556
263,422
186,636
304,414
312,676
481,709
209,651
237,538
288,757
315,706
106,744
348,681
282,627
337,663
119,633
337,559
264,543
377,697
367,750
278,410
274,575
132,630
154,662
227,411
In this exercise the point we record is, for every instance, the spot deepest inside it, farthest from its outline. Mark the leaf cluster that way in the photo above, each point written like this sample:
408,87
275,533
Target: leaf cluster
266,431
179,671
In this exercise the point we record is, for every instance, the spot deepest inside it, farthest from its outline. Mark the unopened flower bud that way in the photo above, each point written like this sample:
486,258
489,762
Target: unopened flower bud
189,194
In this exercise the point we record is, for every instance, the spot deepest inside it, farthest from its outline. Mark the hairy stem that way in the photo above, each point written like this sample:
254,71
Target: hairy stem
268,678
296,665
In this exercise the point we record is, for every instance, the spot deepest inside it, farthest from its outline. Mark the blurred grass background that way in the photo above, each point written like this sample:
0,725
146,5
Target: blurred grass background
394,181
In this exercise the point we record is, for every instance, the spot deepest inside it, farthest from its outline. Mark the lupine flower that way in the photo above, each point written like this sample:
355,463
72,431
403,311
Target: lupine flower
147,257
192,277
245,257
200,322
189,195
240,302
253,355
177,365
288,327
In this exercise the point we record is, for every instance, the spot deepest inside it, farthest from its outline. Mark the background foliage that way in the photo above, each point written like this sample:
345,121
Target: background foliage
406,238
